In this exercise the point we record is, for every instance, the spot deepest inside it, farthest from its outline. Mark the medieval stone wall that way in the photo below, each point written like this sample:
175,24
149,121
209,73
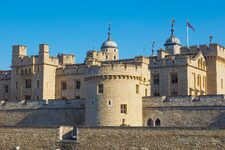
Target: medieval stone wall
36,113
150,138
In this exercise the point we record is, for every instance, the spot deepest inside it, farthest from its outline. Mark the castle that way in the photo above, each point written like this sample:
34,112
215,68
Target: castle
120,91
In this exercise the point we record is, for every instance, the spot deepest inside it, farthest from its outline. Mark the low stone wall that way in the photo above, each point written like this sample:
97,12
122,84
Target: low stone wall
38,113
29,138
150,138
203,111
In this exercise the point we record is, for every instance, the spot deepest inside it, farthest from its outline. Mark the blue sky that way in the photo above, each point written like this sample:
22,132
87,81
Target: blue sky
72,26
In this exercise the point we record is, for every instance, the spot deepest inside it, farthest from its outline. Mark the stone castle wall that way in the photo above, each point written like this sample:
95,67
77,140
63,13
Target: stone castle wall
28,138
150,138
102,138
205,111
36,113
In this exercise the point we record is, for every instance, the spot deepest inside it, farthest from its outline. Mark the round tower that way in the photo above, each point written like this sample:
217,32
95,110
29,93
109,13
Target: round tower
110,47
114,95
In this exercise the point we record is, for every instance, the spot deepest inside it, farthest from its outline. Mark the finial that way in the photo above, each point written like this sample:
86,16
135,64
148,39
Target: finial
210,38
172,29
153,48
109,31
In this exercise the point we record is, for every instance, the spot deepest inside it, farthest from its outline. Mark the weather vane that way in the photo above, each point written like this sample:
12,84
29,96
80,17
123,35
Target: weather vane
109,31
210,38
153,48
172,29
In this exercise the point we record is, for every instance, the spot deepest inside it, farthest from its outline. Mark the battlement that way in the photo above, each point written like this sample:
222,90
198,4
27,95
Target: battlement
40,104
66,59
163,101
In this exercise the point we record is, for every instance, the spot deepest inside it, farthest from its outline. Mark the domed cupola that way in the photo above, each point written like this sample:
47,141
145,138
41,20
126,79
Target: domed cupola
110,47
172,44
109,43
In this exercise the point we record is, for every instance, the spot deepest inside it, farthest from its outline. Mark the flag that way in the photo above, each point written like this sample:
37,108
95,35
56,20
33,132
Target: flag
189,25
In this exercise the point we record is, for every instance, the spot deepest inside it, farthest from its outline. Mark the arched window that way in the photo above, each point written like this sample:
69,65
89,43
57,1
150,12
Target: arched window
157,122
150,123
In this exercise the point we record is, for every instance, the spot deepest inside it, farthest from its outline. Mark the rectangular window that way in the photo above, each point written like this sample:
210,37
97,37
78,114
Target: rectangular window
123,108
28,83
137,89
174,78
199,80
78,84
63,85
109,102
6,88
146,92
221,83
100,88
16,85
156,79
38,84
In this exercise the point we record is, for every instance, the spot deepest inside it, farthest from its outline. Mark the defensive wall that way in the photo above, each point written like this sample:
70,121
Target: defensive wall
104,138
36,113
185,111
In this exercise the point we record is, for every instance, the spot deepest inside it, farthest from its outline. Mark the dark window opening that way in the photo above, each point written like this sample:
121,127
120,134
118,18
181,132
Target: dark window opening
174,78
157,122
150,123
63,85
156,79
28,83
123,108
100,88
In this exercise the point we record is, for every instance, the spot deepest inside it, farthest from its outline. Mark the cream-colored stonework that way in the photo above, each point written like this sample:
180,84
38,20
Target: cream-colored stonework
175,71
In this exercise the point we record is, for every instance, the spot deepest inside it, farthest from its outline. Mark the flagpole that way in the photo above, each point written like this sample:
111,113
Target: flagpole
187,35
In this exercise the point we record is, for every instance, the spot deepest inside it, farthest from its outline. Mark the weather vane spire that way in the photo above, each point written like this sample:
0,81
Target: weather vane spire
172,28
153,47
210,38
109,31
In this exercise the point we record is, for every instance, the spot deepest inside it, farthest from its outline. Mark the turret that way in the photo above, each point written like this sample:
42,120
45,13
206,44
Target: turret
172,44
110,48
44,52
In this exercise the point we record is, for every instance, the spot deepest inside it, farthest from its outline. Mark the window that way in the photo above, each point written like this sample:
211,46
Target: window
123,108
114,50
28,83
38,84
16,85
221,83
78,84
150,123
27,97
156,79
146,92
106,50
137,89
174,78
199,80
114,57
100,88
6,88
64,85
110,103
157,122
106,57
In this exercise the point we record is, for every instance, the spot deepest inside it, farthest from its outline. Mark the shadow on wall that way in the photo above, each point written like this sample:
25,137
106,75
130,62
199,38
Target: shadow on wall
219,121
39,113
54,116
